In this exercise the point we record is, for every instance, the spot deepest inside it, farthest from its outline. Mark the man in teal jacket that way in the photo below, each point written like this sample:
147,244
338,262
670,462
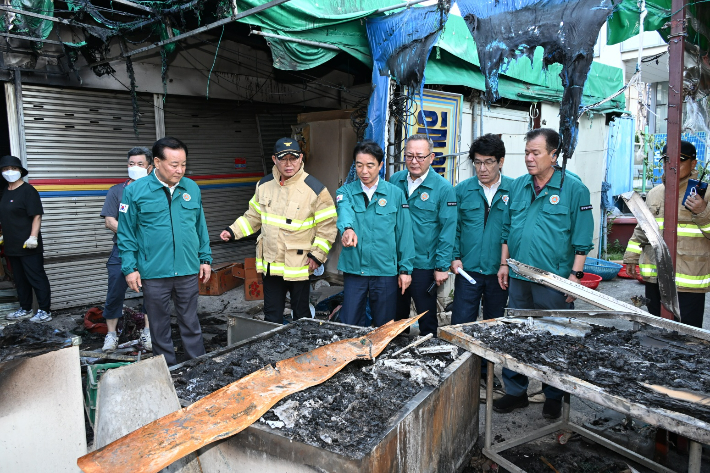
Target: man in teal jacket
164,247
432,206
482,201
548,227
376,260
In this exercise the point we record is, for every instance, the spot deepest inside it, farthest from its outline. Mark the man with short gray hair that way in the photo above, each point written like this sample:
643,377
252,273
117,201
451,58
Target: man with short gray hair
432,206
140,163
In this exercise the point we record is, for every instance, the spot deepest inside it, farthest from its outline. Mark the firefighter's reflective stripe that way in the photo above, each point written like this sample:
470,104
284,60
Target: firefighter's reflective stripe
323,244
279,269
288,224
255,205
634,247
686,229
244,226
681,280
325,214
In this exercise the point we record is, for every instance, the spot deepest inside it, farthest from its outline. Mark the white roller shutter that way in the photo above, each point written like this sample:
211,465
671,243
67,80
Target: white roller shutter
77,134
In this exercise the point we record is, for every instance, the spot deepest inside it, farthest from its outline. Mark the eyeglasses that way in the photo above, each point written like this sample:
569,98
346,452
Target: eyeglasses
488,163
412,157
291,160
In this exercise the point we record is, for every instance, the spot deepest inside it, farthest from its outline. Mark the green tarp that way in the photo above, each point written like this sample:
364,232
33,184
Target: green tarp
342,24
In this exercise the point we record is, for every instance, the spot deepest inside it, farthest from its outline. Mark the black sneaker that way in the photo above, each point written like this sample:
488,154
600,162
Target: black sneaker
552,409
509,403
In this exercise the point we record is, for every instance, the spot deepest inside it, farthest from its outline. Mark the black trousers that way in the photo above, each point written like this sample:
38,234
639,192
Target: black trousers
275,288
692,305
423,301
183,291
29,274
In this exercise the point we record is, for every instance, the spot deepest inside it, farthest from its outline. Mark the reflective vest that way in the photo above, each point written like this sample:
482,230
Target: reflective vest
296,218
692,262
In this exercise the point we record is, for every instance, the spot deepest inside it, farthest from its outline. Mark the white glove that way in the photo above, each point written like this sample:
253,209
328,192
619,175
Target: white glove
2,239
31,243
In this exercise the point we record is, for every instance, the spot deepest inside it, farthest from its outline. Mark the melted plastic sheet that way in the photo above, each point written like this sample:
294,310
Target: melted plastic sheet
400,45
235,407
566,30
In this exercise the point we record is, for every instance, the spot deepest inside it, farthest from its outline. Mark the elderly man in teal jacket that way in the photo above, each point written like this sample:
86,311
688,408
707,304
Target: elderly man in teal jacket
164,247
376,261
549,226
432,206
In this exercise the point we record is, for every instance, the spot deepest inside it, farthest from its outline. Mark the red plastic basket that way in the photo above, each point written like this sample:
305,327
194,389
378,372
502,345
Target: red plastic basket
590,280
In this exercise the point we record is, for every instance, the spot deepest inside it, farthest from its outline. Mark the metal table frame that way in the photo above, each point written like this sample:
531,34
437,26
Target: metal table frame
697,431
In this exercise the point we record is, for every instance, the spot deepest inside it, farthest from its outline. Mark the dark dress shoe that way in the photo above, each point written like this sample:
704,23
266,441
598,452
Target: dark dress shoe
509,403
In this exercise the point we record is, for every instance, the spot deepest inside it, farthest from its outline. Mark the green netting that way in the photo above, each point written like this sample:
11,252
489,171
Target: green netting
29,25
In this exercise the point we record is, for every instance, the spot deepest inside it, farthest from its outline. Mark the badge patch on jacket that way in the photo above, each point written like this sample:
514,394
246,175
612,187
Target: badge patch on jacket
187,197
555,199
123,208
505,199
382,202
586,207
338,198
425,196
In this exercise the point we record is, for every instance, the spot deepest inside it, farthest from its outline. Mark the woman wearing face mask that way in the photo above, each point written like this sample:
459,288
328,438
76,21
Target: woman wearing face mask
20,217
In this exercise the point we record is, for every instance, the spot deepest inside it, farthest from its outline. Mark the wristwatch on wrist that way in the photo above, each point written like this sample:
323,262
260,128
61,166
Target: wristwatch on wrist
578,274
442,270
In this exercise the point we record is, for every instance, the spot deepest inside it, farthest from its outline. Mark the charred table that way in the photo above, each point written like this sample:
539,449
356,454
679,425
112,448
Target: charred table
367,418
567,363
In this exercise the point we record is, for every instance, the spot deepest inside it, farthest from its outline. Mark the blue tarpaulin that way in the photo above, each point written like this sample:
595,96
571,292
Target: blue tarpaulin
400,45
620,156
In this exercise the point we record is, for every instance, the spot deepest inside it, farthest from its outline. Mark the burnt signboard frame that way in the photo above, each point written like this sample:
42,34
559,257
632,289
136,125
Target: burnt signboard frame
694,429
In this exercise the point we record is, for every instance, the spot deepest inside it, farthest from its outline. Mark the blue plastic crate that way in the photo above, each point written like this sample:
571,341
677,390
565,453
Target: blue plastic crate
606,269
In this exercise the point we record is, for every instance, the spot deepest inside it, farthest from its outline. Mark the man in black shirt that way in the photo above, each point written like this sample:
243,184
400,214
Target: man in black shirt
140,164
20,216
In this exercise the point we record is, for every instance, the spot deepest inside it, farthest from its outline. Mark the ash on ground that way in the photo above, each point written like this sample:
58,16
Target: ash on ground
348,414
25,339
615,360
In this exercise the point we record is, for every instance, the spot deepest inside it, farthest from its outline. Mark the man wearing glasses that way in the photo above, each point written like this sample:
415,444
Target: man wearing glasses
432,206
296,215
482,200
692,266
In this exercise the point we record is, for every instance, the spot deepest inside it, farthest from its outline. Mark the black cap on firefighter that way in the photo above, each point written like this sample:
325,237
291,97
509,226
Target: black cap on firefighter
687,151
286,146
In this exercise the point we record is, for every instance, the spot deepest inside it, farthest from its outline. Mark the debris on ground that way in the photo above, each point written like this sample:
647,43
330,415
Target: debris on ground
26,339
349,413
619,361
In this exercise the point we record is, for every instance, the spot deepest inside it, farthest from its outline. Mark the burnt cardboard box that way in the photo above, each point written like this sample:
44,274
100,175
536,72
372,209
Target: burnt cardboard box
221,280
253,283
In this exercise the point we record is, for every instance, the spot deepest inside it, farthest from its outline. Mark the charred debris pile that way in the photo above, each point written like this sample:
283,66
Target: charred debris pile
619,361
349,413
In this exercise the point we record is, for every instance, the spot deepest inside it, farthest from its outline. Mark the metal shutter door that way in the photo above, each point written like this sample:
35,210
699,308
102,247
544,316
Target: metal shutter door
82,134
217,132
79,134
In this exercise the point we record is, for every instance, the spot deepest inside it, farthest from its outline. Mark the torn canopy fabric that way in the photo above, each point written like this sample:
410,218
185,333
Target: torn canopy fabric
566,30
31,26
400,45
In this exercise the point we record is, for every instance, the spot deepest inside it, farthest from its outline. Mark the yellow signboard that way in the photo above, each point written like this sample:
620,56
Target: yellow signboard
441,121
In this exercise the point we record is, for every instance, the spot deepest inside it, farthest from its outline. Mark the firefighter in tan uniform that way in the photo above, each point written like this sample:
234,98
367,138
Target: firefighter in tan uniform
692,277
296,215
